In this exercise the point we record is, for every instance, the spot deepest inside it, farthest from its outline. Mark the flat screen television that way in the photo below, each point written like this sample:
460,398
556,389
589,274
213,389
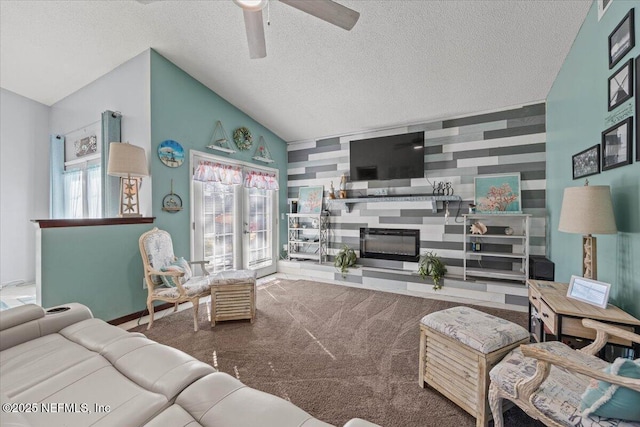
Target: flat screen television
388,157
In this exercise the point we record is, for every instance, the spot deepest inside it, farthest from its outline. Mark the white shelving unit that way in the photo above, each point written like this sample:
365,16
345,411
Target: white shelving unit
518,256
307,236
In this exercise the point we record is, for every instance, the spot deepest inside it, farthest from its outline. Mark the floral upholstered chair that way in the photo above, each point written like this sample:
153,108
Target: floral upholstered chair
560,386
168,278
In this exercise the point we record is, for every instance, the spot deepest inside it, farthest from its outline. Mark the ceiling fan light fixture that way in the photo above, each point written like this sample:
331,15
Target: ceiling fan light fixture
251,5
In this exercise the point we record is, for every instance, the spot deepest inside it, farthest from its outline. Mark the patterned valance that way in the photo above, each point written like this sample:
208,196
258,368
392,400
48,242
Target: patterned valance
217,172
261,180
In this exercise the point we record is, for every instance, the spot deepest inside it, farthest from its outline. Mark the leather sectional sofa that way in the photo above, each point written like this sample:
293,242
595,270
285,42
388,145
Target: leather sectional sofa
63,367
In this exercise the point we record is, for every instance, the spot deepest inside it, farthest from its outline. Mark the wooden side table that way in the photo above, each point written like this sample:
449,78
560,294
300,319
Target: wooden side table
562,316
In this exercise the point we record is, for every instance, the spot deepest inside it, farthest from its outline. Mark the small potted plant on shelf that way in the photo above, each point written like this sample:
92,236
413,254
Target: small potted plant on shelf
430,265
344,259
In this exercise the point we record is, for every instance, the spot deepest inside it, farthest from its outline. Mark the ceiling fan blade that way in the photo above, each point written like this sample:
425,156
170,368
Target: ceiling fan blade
327,10
255,34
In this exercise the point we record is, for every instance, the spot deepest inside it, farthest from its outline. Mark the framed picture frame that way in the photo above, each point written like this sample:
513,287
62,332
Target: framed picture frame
586,162
616,145
589,291
498,194
622,39
620,87
310,200
637,109
603,5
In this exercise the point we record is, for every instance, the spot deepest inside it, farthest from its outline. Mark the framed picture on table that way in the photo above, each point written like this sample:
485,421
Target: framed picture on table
589,291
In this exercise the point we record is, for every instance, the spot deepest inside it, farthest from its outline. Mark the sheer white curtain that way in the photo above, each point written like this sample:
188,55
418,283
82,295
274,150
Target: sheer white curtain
94,191
73,193
83,192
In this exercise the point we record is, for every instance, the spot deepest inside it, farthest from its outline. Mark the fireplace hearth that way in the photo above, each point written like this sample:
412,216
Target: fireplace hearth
390,243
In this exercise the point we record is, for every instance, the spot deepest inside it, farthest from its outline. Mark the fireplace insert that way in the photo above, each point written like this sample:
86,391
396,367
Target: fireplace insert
390,243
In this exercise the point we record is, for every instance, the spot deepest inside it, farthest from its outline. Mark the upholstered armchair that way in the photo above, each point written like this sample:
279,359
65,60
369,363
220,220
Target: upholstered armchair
561,386
168,278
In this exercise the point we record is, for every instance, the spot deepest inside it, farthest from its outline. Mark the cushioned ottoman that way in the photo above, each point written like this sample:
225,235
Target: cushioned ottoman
233,296
458,348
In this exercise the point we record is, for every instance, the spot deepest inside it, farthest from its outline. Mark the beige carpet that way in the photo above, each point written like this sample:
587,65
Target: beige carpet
335,351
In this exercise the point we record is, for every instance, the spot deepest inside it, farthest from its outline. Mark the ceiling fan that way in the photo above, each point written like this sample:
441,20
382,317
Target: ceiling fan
327,10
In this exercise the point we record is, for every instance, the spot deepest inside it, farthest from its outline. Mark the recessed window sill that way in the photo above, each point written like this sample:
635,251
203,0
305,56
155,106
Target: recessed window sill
91,222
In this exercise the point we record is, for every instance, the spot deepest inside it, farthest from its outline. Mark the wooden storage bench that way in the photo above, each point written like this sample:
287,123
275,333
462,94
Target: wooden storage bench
233,296
458,348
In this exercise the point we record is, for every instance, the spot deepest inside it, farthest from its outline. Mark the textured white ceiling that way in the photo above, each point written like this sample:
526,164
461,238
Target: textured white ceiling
404,61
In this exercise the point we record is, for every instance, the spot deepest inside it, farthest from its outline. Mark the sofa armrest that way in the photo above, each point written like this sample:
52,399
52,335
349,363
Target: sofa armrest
25,323
20,315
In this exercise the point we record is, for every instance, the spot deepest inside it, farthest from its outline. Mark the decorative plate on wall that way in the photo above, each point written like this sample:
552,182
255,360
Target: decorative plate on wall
171,153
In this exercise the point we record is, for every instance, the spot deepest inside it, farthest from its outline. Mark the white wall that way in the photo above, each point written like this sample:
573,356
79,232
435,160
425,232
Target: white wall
125,89
24,182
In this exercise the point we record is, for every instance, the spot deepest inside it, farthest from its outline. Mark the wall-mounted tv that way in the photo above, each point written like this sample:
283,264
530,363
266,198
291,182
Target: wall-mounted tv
388,157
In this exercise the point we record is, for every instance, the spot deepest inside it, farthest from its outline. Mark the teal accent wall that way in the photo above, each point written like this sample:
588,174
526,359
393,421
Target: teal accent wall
186,111
576,116
98,266
101,266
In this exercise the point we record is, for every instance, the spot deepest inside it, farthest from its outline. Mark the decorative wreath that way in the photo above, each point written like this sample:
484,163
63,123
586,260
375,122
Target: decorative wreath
242,137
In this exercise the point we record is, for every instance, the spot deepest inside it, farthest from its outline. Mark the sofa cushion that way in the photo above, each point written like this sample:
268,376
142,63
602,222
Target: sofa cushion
154,366
86,387
222,401
174,416
95,334
32,362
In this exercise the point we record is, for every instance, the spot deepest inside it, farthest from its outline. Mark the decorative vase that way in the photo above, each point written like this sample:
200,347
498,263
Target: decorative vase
332,191
508,231
343,187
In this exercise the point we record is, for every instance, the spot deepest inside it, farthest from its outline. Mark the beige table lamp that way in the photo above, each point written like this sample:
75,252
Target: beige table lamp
128,162
588,210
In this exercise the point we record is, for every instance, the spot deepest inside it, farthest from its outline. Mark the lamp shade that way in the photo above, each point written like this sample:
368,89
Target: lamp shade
587,210
126,160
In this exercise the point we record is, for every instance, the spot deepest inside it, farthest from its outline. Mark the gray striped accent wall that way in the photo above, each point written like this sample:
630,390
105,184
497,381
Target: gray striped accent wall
456,150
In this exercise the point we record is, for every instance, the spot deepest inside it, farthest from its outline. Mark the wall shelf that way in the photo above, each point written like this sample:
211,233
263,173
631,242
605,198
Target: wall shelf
518,242
348,203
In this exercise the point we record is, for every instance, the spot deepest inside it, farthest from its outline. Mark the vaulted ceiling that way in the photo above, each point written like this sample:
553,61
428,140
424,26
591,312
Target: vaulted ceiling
403,62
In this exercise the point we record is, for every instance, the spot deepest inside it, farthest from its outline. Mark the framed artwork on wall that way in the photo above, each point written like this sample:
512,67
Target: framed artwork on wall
622,39
603,5
637,109
171,153
310,200
587,162
621,85
498,194
616,145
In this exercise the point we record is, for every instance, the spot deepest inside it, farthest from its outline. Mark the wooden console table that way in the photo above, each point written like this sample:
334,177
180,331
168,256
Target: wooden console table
562,316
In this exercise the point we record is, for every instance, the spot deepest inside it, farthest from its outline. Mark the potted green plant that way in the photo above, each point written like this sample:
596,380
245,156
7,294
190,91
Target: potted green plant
344,259
430,265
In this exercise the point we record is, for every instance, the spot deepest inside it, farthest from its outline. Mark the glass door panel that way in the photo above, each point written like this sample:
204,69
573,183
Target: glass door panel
259,228
216,234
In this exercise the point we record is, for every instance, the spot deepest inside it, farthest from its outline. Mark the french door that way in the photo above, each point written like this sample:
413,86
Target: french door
234,227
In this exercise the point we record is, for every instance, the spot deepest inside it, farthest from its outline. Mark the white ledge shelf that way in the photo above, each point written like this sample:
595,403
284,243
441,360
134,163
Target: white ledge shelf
348,203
